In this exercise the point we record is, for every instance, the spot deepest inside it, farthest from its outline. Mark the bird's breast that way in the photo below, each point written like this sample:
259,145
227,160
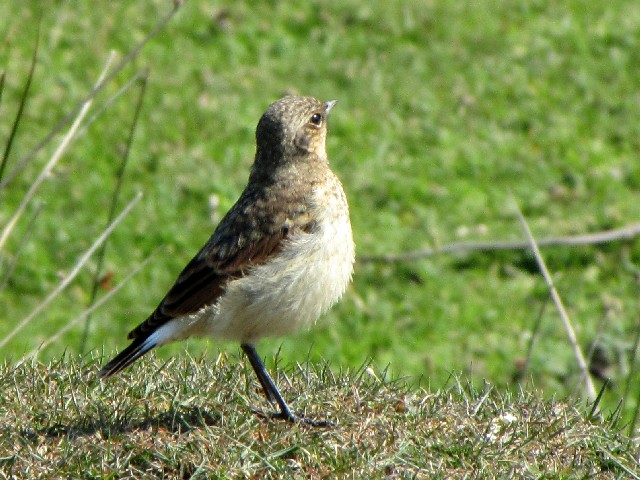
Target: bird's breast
293,288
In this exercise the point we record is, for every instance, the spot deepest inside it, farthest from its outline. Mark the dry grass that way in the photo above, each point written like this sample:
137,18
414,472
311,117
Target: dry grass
193,418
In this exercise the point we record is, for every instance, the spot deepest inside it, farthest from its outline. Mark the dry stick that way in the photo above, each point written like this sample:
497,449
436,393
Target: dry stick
110,101
595,341
60,125
2,79
52,162
624,233
21,106
87,312
142,73
582,364
83,259
112,208
534,336
23,242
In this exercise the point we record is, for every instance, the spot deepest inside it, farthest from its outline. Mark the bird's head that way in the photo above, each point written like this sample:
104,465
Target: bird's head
293,126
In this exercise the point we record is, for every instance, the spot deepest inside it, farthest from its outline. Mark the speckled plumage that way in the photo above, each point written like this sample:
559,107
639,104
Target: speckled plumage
281,256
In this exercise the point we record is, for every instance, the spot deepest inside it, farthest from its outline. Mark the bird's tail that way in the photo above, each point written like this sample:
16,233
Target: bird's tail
138,347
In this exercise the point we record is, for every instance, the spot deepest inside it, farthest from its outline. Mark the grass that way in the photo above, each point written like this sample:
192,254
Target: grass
192,418
446,112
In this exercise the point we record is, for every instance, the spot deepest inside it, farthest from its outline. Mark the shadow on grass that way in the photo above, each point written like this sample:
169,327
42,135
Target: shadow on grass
177,421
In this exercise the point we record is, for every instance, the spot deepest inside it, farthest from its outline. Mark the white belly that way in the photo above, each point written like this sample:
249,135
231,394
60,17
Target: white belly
292,289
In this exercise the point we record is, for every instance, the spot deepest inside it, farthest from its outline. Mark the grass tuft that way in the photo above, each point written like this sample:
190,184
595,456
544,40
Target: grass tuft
195,418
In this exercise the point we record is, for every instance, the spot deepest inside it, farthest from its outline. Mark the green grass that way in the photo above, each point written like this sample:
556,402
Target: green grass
446,110
192,418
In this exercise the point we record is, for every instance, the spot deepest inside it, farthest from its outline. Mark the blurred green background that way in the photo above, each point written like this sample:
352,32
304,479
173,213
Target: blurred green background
446,110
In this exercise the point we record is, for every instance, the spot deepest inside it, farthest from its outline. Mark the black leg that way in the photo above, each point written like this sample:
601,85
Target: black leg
270,389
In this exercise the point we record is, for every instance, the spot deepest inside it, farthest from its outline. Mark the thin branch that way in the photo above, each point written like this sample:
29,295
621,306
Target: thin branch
23,103
112,208
582,364
605,236
2,79
534,336
52,162
61,124
23,242
76,269
87,312
142,73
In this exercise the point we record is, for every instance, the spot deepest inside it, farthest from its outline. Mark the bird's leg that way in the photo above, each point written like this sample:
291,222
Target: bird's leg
270,389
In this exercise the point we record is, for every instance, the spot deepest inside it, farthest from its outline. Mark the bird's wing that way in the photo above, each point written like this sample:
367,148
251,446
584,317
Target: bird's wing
243,239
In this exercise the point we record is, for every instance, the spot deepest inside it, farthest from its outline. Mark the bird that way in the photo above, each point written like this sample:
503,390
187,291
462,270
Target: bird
279,259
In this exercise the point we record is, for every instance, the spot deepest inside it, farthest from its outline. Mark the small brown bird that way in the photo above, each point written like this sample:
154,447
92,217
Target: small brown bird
281,257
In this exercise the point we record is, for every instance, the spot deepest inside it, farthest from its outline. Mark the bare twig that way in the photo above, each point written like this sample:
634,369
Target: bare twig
23,103
582,364
87,312
83,259
112,208
51,163
23,241
61,124
534,336
2,79
605,236
143,73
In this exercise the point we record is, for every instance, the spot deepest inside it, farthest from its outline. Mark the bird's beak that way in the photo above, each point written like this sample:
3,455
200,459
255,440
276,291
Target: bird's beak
329,105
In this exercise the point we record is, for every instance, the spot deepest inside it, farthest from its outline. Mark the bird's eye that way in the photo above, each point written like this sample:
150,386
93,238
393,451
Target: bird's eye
316,119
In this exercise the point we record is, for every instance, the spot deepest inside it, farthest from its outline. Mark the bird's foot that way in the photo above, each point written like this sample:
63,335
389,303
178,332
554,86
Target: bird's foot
290,417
